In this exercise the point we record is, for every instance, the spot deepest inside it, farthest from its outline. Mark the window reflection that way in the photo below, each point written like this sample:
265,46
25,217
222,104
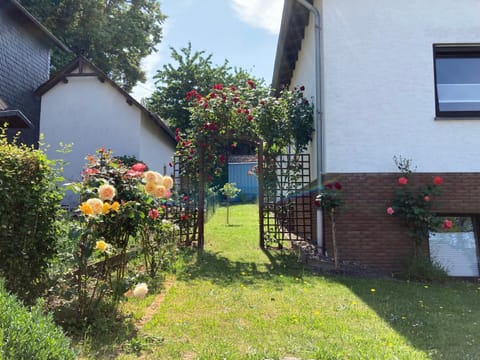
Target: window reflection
456,249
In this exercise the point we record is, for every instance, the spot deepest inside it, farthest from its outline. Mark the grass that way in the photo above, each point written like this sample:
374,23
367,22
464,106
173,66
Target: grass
235,301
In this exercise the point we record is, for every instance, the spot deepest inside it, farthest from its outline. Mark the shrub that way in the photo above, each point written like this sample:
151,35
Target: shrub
29,334
421,268
119,203
28,210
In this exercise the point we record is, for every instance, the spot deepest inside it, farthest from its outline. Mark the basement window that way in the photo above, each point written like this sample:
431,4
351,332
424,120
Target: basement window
457,80
456,249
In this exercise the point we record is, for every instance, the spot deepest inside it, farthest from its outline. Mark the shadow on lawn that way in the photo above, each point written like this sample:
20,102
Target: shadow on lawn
441,320
104,336
221,270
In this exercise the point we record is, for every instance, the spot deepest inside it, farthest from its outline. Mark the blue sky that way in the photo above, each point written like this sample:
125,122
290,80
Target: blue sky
244,32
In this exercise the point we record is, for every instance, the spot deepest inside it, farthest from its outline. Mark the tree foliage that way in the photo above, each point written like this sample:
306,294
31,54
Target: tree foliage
115,34
192,70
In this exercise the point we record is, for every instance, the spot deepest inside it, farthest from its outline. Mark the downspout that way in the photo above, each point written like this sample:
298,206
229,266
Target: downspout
318,115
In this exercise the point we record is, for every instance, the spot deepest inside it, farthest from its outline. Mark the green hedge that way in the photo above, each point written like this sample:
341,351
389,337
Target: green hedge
29,334
29,206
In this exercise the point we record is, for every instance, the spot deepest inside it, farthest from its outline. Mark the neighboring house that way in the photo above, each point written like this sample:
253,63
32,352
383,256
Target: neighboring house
83,107
24,65
397,79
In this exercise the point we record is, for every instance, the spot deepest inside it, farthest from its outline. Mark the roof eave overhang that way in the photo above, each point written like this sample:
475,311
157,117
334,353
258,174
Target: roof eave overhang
292,30
15,119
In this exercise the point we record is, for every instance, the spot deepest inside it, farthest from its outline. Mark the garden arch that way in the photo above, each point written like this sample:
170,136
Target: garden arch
248,114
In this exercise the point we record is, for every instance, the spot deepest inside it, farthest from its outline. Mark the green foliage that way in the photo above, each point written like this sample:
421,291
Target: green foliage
245,113
115,35
414,204
422,268
330,197
28,210
159,244
119,204
194,70
230,190
29,334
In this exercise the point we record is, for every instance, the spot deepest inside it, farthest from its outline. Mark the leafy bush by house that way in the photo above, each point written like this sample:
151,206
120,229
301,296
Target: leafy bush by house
28,211
29,334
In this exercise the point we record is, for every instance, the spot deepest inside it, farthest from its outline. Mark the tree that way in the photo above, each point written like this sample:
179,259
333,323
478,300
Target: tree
114,34
193,70
230,191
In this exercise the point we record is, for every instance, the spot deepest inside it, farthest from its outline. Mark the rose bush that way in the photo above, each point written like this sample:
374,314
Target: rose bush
119,204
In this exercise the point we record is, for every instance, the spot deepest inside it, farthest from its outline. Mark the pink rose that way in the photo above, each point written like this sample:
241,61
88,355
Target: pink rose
139,167
403,180
447,224
426,198
390,211
153,213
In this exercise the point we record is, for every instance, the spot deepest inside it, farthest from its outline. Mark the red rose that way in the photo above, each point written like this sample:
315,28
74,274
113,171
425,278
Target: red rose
185,198
170,164
218,87
184,217
91,171
221,158
403,181
302,88
338,186
437,180
317,202
250,117
251,84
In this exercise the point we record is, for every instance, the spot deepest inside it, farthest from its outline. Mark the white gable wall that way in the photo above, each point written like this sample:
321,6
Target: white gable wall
90,114
378,84
156,150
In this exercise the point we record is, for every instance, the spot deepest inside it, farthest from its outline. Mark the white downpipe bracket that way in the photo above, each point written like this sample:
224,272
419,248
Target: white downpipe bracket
320,148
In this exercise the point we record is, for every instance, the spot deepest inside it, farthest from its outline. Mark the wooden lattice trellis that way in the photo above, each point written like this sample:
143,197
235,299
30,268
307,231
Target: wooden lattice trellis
287,212
285,206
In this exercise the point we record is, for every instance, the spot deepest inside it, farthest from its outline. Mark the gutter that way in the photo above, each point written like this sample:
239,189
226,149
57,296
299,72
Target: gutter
320,133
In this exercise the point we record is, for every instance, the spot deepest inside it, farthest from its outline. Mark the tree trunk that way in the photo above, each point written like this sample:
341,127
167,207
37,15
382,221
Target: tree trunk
334,238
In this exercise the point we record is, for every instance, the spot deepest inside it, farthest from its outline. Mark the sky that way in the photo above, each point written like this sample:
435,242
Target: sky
245,32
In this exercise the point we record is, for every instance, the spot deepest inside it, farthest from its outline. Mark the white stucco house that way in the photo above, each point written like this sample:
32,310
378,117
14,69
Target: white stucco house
389,78
83,107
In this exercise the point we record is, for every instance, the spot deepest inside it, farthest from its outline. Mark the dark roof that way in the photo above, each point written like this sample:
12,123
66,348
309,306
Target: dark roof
79,63
292,31
15,6
14,119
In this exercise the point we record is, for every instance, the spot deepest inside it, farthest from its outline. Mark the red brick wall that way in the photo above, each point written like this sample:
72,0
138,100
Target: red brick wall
368,235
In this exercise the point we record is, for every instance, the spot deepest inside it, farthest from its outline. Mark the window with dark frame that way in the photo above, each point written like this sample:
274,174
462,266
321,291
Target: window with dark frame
456,249
457,80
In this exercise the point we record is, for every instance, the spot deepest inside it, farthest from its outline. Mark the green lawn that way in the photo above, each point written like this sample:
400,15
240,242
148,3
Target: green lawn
235,301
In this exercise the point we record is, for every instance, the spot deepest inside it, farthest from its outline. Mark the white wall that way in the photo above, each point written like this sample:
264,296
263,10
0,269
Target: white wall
156,150
89,114
378,84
